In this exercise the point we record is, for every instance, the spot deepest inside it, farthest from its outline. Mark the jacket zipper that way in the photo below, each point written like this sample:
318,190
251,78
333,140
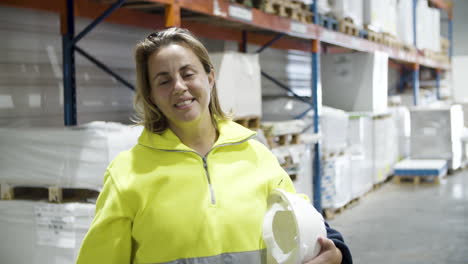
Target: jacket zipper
205,163
205,166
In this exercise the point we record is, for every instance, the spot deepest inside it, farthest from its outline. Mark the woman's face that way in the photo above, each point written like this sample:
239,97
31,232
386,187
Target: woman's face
180,87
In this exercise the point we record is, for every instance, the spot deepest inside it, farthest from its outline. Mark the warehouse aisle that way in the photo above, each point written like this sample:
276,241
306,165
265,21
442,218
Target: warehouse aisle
405,224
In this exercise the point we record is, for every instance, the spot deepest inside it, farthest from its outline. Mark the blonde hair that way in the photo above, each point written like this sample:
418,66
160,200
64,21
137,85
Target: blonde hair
147,112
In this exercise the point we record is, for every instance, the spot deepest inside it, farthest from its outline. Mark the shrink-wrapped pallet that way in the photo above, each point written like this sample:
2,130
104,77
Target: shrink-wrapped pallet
74,157
336,181
436,134
39,232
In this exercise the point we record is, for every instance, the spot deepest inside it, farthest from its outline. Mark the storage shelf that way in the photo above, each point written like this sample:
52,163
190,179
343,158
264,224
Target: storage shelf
229,14
225,20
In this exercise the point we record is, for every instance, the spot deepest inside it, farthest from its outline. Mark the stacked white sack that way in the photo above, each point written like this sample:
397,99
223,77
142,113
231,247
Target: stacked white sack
40,232
68,157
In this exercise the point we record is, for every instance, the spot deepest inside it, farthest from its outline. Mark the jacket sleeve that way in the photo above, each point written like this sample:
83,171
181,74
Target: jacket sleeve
108,240
337,238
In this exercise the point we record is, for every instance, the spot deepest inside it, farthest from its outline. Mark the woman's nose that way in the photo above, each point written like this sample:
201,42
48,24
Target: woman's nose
179,85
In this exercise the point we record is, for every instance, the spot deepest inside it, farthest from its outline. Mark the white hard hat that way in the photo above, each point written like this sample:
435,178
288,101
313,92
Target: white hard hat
291,228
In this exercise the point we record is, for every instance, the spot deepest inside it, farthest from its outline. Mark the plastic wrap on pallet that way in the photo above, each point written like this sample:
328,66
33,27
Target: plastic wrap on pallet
334,128
40,232
427,26
239,82
374,15
436,133
380,146
353,9
303,153
405,19
385,146
389,11
336,181
355,81
401,115
360,150
460,82
68,157
435,30
283,127
464,106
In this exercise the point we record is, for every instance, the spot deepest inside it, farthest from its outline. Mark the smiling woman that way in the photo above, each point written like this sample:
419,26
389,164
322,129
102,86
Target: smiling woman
195,187
153,74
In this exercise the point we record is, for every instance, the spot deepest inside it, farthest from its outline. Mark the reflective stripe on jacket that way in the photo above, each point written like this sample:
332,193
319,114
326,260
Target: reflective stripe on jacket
164,203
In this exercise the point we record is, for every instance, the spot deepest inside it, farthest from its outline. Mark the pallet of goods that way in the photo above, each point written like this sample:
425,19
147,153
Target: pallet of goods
419,171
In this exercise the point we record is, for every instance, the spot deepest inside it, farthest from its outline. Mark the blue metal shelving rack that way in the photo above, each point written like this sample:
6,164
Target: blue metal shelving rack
69,42
69,46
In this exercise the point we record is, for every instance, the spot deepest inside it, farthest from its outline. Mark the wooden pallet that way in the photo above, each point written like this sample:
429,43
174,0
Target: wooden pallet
332,154
347,26
374,36
328,22
249,3
363,34
444,45
417,179
283,140
377,186
295,10
330,213
252,122
53,194
390,41
408,48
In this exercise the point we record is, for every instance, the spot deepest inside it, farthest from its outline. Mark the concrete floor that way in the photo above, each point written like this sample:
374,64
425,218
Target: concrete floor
406,224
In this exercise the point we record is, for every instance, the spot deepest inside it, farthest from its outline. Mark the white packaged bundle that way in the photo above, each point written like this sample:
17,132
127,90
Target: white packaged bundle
68,157
283,127
334,128
303,154
336,181
379,145
405,18
352,9
460,81
401,115
40,232
355,81
436,134
374,15
360,149
385,143
238,81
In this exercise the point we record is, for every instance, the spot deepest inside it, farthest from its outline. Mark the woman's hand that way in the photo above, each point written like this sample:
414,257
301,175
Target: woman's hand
329,253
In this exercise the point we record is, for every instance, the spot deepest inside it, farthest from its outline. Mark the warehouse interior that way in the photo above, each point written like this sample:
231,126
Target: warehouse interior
363,103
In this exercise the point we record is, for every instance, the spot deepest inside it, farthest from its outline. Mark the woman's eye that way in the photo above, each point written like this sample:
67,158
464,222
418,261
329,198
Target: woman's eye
163,82
188,75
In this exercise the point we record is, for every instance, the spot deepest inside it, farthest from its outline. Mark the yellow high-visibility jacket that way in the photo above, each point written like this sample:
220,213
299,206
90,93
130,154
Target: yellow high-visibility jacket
164,203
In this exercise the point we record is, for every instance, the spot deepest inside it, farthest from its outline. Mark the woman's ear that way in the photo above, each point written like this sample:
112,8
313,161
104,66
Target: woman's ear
211,78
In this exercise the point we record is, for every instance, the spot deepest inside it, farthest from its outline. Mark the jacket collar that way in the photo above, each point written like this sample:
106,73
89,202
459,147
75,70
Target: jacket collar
229,133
